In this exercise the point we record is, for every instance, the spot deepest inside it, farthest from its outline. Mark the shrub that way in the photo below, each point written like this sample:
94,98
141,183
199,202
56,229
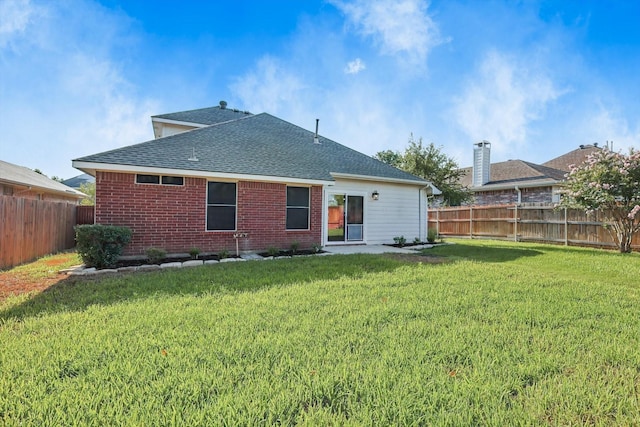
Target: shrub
294,247
416,241
432,235
155,255
400,241
100,246
273,251
194,252
223,254
316,248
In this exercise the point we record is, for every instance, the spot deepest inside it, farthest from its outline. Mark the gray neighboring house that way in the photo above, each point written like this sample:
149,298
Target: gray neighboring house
519,181
218,177
20,181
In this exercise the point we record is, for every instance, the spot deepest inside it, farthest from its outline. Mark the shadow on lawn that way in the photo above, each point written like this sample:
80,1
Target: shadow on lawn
76,293
490,252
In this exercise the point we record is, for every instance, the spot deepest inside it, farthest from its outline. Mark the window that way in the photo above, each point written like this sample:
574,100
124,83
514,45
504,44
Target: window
297,208
147,179
221,206
172,180
157,179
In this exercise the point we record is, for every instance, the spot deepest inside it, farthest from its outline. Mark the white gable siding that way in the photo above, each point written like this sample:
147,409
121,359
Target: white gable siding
399,211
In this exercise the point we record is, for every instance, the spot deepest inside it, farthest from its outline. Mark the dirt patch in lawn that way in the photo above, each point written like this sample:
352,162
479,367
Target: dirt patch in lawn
12,283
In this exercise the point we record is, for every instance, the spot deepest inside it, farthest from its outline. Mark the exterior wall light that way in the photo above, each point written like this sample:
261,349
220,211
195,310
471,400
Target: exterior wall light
375,195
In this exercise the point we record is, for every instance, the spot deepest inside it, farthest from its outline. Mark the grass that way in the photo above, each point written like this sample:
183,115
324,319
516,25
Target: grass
504,334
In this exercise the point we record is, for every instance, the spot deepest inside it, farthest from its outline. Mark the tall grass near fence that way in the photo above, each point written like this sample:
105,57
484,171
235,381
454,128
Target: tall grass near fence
502,334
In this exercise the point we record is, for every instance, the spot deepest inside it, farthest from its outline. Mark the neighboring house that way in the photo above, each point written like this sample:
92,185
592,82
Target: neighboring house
77,181
20,181
215,175
518,181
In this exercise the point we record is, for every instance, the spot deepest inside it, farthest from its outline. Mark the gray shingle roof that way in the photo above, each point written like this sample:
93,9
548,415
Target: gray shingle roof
20,175
514,172
574,157
255,145
205,116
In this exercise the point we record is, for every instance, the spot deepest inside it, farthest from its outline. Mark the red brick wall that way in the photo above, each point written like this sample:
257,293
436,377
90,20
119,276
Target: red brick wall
506,197
174,217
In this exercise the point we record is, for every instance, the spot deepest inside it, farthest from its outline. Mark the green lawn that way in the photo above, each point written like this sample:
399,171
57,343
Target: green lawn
503,334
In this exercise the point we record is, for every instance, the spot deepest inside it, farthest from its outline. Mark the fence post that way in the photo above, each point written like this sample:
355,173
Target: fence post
566,228
471,222
515,224
438,222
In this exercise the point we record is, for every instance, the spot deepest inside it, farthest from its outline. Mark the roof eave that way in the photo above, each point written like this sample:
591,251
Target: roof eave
69,193
92,167
513,185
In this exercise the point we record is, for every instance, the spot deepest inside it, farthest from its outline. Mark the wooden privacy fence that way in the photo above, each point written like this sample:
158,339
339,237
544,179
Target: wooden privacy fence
542,223
85,214
33,228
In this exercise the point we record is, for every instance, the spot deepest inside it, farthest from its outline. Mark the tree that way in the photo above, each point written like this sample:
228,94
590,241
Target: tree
610,182
430,163
88,188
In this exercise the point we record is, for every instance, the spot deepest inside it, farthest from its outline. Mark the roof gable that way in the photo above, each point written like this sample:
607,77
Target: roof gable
258,144
574,157
204,116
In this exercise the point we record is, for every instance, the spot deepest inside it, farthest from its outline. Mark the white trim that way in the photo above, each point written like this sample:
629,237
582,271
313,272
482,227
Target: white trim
512,186
178,122
89,167
379,179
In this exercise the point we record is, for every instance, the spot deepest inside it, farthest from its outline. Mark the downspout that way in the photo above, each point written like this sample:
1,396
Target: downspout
519,194
423,235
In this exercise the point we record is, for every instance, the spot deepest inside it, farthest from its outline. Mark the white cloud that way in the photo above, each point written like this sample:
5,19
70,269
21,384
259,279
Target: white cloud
64,94
607,124
501,100
396,26
355,66
14,18
270,87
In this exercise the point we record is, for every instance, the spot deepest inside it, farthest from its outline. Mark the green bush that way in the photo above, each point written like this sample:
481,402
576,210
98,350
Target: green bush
194,252
400,241
155,255
432,235
100,246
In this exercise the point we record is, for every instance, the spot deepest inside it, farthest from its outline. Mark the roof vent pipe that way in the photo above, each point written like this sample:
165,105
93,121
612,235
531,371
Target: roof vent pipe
223,105
316,140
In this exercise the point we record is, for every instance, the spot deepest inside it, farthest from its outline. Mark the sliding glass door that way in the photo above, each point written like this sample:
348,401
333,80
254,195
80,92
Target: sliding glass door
345,218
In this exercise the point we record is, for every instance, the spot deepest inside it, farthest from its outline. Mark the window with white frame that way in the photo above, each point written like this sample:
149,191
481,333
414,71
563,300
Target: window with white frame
221,206
298,208
159,179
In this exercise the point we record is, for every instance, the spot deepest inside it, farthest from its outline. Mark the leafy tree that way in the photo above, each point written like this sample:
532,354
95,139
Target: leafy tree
610,182
429,162
88,188
390,157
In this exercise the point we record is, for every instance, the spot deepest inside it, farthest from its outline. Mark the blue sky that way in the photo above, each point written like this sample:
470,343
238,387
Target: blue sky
535,78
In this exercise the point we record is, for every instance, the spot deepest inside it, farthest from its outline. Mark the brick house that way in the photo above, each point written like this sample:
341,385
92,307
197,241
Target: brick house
19,181
518,181
215,175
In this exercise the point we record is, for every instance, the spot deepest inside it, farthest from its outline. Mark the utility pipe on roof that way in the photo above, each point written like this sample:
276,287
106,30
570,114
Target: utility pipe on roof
519,194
